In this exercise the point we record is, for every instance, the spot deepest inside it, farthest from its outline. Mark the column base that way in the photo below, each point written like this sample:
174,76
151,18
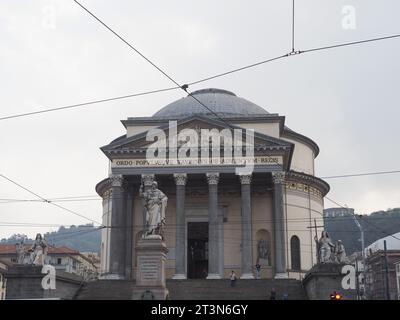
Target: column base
179,276
213,276
281,276
247,276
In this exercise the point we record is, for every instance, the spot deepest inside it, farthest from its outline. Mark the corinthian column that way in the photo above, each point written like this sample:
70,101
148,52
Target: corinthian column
247,248
279,225
180,180
117,234
213,239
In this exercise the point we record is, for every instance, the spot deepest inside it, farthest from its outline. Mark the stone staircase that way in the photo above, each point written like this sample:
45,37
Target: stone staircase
197,289
106,290
243,290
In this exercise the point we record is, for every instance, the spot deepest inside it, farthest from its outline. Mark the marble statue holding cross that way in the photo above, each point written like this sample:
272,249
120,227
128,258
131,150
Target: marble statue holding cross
325,248
154,206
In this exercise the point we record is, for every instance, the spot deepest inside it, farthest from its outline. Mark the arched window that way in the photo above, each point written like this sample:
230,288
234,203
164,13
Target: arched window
295,253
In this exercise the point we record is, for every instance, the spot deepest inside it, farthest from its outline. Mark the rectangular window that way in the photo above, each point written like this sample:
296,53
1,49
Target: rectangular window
59,260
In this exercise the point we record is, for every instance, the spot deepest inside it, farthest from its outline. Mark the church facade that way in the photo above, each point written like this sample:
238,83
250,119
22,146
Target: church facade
223,213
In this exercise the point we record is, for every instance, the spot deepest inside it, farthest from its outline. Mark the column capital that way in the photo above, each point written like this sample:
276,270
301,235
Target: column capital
212,178
180,179
147,179
116,180
278,177
245,178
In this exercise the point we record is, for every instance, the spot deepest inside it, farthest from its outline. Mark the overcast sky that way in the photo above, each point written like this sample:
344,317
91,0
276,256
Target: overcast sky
52,53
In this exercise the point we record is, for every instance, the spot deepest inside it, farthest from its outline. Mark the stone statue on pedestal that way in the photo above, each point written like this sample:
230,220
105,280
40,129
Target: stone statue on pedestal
155,204
38,251
325,248
20,249
340,252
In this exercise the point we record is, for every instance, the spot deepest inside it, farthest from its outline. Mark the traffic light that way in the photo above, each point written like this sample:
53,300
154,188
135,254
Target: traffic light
336,296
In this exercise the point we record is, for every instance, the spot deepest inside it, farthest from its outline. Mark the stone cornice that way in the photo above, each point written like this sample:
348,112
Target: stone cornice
288,133
103,186
143,150
233,119
321,185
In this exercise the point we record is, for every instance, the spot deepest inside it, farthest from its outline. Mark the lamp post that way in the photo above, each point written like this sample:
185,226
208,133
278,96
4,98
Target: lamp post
363,251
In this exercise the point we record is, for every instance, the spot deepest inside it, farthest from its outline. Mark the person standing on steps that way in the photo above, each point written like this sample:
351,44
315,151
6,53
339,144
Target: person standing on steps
258,271
273,294
233,278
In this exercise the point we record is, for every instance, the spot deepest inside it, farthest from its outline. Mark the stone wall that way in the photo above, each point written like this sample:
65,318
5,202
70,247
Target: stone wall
25,282
323,279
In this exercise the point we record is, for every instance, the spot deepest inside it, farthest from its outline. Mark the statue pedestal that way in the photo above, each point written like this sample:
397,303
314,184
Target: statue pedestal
150,273
323,279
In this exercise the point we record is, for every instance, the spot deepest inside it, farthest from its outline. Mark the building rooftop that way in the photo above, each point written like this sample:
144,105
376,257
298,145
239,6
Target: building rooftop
391,243
11,249
222,102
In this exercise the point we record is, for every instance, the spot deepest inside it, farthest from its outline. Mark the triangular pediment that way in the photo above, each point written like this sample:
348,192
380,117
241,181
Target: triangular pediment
137,147
195,123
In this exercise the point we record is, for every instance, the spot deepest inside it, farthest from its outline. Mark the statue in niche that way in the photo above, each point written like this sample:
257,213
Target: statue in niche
263,252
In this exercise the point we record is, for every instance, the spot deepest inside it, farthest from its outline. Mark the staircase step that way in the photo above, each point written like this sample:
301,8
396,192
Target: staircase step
198,289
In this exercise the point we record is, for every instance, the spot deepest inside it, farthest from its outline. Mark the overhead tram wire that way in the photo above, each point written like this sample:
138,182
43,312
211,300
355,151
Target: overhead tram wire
184,87
96,197
48,201
349,43
237,69
198,81
77,105
293,29
228,225
362,174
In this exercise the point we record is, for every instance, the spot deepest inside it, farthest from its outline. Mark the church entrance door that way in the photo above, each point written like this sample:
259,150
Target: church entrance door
197,250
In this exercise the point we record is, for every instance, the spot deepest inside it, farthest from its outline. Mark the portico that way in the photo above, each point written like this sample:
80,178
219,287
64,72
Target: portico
214,212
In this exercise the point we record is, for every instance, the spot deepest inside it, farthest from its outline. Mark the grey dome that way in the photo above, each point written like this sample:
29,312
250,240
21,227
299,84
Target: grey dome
222,102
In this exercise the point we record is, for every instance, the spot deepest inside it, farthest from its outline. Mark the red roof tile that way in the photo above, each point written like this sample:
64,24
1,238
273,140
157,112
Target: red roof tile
10,249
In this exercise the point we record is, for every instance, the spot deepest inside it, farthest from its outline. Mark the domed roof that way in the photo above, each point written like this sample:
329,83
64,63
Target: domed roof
222,102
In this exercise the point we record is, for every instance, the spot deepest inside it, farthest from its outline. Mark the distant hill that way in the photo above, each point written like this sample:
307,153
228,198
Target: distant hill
81,238
376,226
